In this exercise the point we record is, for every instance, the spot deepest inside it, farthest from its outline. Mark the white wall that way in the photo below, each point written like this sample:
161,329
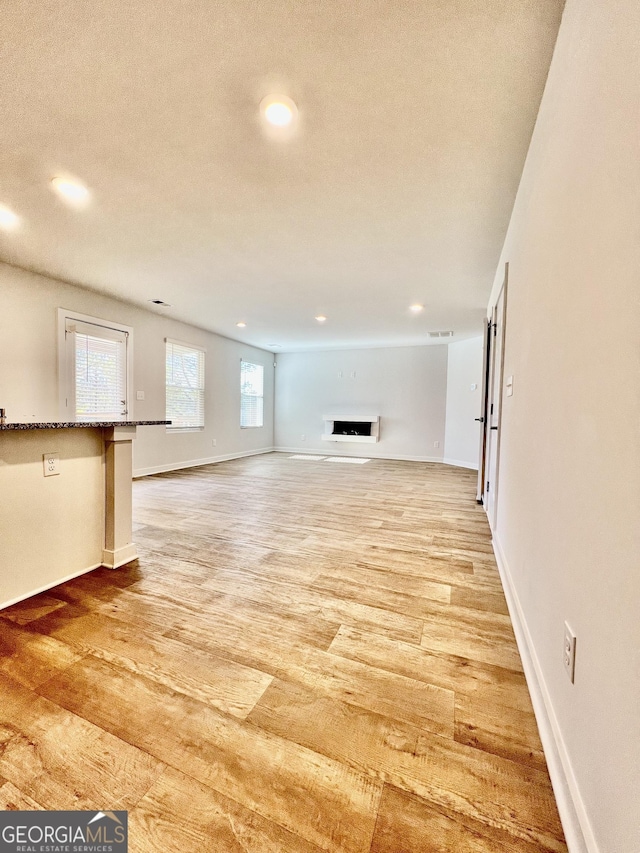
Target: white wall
568,524
406,386
464,403
29,371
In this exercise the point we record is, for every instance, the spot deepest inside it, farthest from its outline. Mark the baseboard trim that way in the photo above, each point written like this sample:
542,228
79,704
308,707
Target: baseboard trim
195,463
119,557
459,464
24,596
323,451
575,822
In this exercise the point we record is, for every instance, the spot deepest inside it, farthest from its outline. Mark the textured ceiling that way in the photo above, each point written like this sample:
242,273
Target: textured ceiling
396,187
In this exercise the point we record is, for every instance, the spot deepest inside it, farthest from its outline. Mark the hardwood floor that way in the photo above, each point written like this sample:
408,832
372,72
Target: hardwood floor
305,657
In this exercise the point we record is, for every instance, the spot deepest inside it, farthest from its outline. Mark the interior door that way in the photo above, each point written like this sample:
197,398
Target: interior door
484,408
493,418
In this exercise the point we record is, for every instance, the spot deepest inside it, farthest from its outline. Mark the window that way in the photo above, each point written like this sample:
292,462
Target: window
251,394
185,385
94,368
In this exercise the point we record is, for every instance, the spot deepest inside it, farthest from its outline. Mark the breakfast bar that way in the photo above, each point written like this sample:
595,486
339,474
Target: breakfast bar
66,502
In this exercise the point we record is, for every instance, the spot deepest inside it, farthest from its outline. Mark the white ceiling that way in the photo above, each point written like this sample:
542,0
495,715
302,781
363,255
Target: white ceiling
414,121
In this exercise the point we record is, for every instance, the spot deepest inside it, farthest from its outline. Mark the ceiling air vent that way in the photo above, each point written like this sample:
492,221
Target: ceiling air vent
440,334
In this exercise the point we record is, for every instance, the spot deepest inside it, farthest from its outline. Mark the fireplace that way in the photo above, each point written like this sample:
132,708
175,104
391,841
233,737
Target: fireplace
351,428
364,428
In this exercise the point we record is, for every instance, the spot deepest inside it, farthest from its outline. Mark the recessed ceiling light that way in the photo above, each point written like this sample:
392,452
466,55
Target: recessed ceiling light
279,114
241,325
278,110
321,318
70,191
416,308
8,219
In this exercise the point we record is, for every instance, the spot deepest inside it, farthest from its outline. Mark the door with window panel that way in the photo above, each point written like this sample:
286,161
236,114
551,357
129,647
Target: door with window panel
96,363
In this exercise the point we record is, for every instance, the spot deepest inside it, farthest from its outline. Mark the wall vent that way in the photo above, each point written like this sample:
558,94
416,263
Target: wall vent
440,334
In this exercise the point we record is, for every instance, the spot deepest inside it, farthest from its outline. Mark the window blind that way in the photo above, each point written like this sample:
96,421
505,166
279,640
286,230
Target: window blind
251,394
99,365
184,385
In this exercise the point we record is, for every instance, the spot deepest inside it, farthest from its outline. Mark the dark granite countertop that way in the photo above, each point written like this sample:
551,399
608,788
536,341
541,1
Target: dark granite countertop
80,424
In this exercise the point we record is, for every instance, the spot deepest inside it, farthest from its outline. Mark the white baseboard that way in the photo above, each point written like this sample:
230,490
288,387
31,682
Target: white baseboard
119,557
459,464
194,463
575,822
323,451
47,586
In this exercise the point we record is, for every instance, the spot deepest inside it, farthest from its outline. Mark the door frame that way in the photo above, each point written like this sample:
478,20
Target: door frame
66,365
493,430
486,365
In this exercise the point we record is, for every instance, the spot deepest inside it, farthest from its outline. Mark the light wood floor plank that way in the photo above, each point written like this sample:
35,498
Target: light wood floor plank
220,682
493,685
471,783
305,657
30,658
13,800
322,800
422,827
64,761
178,813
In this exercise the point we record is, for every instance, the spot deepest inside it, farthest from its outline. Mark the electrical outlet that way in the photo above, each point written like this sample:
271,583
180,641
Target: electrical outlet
303,438
51,463
569,651
214,442
436,444
139,395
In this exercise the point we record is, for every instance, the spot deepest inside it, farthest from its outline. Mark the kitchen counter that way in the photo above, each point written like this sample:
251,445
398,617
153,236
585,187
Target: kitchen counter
65,502
79,424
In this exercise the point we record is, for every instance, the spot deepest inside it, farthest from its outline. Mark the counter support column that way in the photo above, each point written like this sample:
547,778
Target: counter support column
118,546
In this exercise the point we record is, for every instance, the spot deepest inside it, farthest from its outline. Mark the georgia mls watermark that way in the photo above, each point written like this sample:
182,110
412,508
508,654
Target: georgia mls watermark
63,832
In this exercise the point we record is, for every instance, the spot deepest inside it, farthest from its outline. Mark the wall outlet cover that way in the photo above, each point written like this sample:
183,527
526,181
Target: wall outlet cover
569,652
51,464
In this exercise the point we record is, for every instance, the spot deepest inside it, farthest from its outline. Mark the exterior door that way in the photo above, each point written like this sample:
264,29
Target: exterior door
96,372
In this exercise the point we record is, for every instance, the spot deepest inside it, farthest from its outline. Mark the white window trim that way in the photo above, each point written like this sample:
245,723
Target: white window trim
63,366
181,430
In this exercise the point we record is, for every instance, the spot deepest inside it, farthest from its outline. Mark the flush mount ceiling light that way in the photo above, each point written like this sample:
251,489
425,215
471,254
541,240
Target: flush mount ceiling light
8,219
321,318
416,309
241,325
278,111
71,191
